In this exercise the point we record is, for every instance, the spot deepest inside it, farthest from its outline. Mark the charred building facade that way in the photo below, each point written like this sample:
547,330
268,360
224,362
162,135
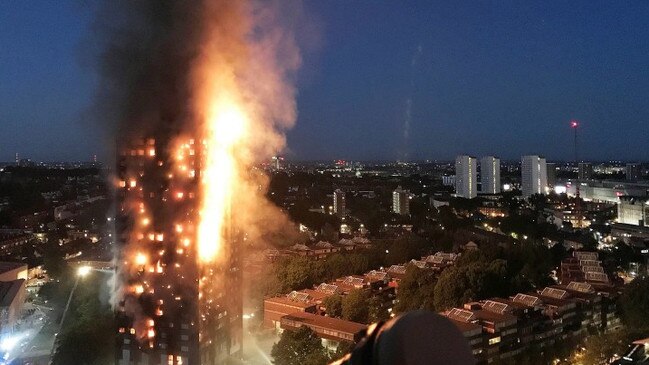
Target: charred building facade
173,309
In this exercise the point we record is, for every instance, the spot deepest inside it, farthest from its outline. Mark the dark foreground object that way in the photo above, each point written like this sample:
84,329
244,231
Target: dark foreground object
415,338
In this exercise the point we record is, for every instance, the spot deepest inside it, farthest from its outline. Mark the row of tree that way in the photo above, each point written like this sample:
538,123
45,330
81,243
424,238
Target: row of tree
294,273
90,320
490,272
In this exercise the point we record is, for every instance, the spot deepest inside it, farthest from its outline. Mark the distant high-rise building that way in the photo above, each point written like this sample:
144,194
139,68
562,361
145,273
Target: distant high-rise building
401,201
466,177
534,175
490,175
632,171
448,180
551,174
585,171
339,203
633,210
276,162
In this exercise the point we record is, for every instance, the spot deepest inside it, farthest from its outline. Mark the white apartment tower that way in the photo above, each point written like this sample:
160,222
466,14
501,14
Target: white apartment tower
490,175
401,201
339,203
466,177
534,175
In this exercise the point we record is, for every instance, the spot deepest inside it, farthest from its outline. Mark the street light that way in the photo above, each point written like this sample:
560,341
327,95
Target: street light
82,271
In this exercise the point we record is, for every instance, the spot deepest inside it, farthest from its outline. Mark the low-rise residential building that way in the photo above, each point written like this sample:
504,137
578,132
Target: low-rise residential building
12,299
13,271
332,331
500,328
294,302
583,266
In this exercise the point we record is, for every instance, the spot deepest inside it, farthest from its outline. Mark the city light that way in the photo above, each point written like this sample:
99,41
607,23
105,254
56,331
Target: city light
9,342
84,270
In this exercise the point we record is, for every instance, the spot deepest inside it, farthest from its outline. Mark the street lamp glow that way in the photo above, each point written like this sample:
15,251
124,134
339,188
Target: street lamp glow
8,343
84,270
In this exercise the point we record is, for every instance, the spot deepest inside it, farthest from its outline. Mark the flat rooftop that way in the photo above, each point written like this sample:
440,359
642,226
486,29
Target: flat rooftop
8,266
315,320
9,290
466,327
284,300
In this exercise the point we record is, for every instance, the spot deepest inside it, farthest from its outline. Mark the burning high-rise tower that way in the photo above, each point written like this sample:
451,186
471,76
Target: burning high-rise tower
201,91
173,310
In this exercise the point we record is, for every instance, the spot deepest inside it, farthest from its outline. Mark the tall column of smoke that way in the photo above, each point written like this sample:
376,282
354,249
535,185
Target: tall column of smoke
216,70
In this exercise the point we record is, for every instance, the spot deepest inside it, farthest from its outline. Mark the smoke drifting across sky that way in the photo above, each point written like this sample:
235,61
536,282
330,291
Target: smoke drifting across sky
164,64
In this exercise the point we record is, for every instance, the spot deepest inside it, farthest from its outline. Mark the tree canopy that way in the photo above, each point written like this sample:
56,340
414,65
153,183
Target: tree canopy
355,306
416,290
634,304
301,347
334,305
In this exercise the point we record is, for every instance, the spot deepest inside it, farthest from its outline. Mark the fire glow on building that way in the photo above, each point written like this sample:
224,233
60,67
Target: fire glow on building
199,116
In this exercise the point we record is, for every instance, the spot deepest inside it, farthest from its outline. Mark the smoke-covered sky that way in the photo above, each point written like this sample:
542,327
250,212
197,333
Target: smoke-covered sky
493,77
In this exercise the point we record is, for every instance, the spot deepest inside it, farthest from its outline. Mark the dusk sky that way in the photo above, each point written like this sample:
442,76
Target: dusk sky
381,80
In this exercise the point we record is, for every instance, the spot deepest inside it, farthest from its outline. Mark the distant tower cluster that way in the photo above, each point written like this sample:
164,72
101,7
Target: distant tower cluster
339,203
534,175
466,177
401,201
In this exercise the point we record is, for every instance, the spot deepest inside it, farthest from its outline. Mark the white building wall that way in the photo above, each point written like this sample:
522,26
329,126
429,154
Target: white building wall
490,175
534,175
466,177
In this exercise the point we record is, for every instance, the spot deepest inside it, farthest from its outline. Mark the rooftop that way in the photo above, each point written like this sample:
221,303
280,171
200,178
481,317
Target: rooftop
8,266
9,290
341,325
466,327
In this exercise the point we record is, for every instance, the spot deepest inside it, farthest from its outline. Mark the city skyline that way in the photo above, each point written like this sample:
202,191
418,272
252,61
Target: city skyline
428,97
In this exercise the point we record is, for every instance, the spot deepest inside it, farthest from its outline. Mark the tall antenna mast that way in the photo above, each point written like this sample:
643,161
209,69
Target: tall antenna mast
574,124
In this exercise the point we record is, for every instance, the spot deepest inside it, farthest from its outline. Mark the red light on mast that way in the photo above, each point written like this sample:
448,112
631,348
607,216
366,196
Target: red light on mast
574,124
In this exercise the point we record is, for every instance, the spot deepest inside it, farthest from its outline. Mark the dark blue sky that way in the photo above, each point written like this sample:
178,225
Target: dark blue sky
482,77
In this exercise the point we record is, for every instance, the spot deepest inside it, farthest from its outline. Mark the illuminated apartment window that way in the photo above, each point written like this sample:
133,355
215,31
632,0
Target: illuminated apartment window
495,340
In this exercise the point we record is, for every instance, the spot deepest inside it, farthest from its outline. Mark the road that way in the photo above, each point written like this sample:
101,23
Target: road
36,338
